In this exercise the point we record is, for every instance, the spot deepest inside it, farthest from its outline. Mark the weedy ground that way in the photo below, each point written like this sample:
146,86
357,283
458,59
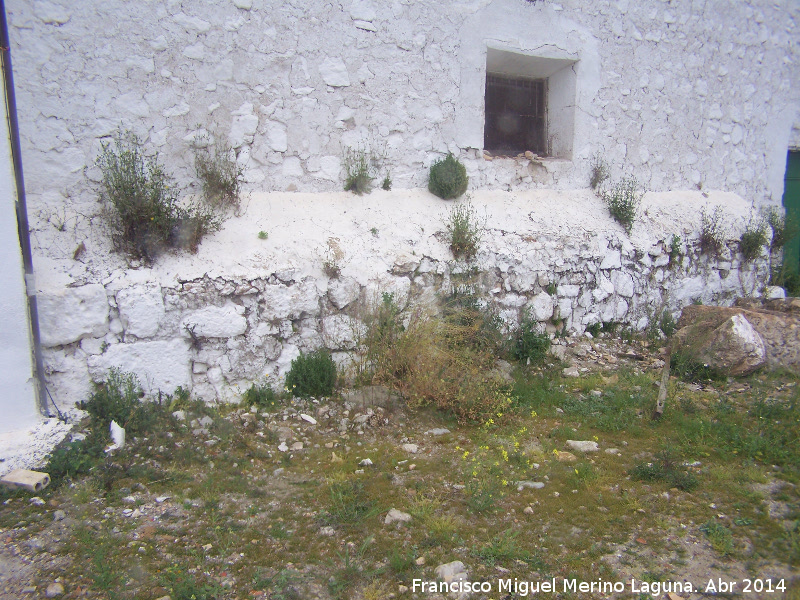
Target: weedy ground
710,490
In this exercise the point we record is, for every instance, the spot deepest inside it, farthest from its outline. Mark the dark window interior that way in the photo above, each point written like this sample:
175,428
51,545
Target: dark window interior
516,115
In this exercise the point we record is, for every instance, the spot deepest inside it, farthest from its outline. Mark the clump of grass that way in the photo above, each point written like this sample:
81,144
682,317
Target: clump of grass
141,203
753,239
348,502
530,345
665,468
504,549
359,172
387,182
219,174
312,374
622,200
448,178
713,231
599,171
719,536
332,258
465,231
483,492
263,235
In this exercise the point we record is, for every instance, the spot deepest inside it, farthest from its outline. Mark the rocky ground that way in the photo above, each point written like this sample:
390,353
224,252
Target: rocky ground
358,496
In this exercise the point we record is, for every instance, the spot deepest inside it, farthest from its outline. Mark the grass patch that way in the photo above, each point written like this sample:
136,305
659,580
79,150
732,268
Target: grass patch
665,468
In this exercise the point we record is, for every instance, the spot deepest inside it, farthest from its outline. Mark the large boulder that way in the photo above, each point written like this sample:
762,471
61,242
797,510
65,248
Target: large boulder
740,339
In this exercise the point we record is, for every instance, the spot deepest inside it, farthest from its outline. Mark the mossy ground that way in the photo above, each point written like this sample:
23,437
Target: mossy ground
237,518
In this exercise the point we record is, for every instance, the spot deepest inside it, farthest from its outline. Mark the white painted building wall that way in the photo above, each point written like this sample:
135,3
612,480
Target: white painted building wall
696,95
17,386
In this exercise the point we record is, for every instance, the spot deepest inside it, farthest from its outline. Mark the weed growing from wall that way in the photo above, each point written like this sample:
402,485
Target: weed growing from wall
358,171
141,203
464,230
753,240
219,174
599,171
332,257
713,231
623,200
448,178
675,252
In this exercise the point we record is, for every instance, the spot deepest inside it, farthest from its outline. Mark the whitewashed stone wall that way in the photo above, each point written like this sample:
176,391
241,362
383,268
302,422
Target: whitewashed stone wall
681,94
215,328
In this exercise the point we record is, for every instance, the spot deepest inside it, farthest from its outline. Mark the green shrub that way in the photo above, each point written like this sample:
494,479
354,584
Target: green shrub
719,536
262,396
141,203
312,374
529,344
675,253
387,182
623,200
119,399
712,232
448,178
69,460
219,174
464,230
753,239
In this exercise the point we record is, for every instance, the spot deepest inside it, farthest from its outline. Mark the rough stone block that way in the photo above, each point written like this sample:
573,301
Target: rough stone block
215,322
334,72
340,332
141,308
159,365
70,314
541,306
290,302
343,291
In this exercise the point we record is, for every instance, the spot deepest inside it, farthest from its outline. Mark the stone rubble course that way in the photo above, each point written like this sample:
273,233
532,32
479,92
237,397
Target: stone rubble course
242,309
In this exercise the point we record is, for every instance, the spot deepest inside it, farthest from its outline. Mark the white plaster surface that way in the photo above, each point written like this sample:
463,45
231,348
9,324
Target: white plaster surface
17,387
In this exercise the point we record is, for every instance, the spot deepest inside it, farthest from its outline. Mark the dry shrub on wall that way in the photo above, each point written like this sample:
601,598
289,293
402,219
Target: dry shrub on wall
433,360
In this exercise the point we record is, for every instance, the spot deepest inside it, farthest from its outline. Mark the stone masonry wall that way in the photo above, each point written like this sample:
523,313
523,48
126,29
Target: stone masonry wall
216,329
682,94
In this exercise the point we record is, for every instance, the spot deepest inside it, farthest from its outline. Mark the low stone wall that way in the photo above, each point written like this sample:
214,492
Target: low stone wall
243,307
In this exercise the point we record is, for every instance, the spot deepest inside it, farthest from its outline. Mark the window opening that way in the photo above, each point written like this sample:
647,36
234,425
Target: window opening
516,115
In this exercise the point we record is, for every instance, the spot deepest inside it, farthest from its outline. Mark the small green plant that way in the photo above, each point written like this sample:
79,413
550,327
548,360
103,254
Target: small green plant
503,549
713,231
594,329
183,586
387,182
464,230
448,178
359,171
332,258
665,468
262,396
675,253
599,171
219,174
551,289
753,239
483,491
783,229
312,374
348,502
141,203
623,201
530,345
118,399
719,536
263,235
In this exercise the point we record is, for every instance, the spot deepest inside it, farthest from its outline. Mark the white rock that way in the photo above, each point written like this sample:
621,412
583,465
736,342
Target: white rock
243,128
450,571
308,418
50,12
341,332
773,292
534,485
243,4
159,365
395,515
215,322
141,308
277,138
365,463
541,306
195,51
362,10
334,72
283,447
437,431
290,302
343,291
583,445
611,260
194,23
70,314
410,448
